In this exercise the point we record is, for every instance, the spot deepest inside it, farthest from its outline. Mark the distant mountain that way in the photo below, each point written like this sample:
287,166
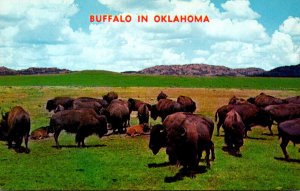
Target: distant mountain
283,71
32,71
199,70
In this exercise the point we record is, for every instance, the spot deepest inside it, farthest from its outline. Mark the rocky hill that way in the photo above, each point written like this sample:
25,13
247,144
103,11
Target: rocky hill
283,71
199,70
32,71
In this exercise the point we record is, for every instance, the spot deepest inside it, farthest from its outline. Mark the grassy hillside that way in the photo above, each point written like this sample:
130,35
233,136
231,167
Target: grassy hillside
120,162
109,79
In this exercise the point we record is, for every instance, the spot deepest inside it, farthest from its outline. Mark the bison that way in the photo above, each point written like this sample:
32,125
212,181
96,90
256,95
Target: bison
78,104
164,107
185,135
187,104
251,115
118,115
65,102
83,123
295,100
102,102
283,112
16,125
143,114
289,131
135,104
137,130
263,100
234,131
40,133
236,100
161,95
110,96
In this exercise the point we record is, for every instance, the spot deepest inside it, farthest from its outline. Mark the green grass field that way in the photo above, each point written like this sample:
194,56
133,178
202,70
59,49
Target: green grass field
109,79
121,162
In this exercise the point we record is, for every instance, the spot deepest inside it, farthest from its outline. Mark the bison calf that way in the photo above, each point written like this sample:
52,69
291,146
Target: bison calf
16,124
137,130
40,133
83,122
289,131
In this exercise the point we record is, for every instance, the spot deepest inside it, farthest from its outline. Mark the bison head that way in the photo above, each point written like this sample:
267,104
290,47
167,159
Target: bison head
50,105
102,128
158,138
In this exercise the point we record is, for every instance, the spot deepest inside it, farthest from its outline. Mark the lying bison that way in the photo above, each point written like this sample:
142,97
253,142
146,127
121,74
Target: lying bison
65,102
263,100
186,136
164,107
289,131
283,112
40,133
143,114
83,122
187,104
137,130
16,125
234,131
161,95
251,116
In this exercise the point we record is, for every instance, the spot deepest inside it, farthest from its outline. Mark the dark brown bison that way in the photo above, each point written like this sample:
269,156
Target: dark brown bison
283,112
161,95
40,133
164,107
289,131
137,130
110,96
143,114
185,135
251,116
83,122
78,104
234,131
135,104
102,102
65,102
236,100
263,100
118,115
187,104
295,100
16,126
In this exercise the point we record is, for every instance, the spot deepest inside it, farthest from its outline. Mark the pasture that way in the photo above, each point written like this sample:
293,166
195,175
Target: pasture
121,162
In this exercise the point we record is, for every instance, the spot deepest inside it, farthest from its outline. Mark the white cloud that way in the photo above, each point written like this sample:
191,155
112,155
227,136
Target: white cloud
291,26
239,9
38,33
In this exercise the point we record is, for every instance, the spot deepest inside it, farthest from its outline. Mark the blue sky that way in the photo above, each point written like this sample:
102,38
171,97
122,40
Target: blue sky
57,33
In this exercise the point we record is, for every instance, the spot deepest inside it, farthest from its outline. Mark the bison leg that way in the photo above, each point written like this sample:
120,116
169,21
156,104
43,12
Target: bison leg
283,146
9,142
218,128
26,143
212,148
56,134
207,150
270,129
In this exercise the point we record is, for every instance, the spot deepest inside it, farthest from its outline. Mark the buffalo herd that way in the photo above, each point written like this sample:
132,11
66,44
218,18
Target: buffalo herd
184,134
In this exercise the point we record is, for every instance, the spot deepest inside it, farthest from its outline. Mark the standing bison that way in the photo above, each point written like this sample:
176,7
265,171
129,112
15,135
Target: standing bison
187,104
283,112
251,115
16,125
234,131
143,114
164,107
83,123
186,136
289,131
135,104
65,102
110,96
263,100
